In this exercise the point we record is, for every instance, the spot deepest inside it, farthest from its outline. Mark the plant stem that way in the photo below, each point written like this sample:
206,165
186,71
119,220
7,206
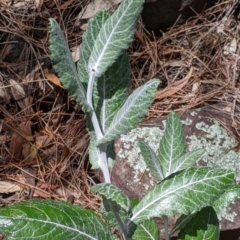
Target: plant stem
102,155
90,88
103,162
120,223
96,125
94,119
165,218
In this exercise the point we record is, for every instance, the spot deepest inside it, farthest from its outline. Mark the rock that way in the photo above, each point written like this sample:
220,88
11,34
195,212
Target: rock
159,15
201,130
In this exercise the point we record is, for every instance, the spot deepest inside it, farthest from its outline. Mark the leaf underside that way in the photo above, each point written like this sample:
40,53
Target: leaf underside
172,145
64,65
111,192
115,36
151,160
132,111
187,160
88,39
47,219
111,90
184,192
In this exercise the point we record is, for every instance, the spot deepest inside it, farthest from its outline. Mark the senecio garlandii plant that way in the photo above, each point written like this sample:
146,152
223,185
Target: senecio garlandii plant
100,84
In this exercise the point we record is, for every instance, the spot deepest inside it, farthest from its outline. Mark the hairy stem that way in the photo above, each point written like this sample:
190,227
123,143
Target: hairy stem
120,223
103,162
165,218
102,155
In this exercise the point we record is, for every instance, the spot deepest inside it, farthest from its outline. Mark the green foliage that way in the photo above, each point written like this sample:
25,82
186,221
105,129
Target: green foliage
100,83
111,192
185,192
64,65
151,160
203,225
146,230
41,219
88,39
172,147
132,111
114,36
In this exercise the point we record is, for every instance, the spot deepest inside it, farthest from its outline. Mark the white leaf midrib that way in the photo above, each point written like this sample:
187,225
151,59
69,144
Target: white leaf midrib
170,192
129,102
53,223
102,53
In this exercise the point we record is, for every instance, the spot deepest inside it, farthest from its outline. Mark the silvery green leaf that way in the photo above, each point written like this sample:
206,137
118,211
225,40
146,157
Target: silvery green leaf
111,90
228,197
64,65
204,225
94,25
111,192
114,36
146,230
187,160
132,111
172,145
151,160
183,192
48,219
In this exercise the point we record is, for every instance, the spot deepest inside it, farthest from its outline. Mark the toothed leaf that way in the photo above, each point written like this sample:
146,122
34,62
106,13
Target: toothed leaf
184,192
54,220
114,194
64,65
132,111
151,160
114,36
172,145
88,39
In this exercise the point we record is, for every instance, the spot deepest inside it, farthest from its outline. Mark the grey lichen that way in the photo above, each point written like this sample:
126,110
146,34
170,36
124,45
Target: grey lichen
227,214
219,147
215,139
218,144
187,121
131,151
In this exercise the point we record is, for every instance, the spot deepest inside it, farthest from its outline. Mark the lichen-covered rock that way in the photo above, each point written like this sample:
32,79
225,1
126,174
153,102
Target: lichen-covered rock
202,129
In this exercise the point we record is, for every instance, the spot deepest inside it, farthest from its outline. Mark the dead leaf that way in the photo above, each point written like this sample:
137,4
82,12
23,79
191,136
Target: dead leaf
231,47
65,151
48,186
66,4
20,137
195,87
94,6
173,88
52,78
43,141
29,174
29,153
32,75
41,193
75,53
20,96
9,187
